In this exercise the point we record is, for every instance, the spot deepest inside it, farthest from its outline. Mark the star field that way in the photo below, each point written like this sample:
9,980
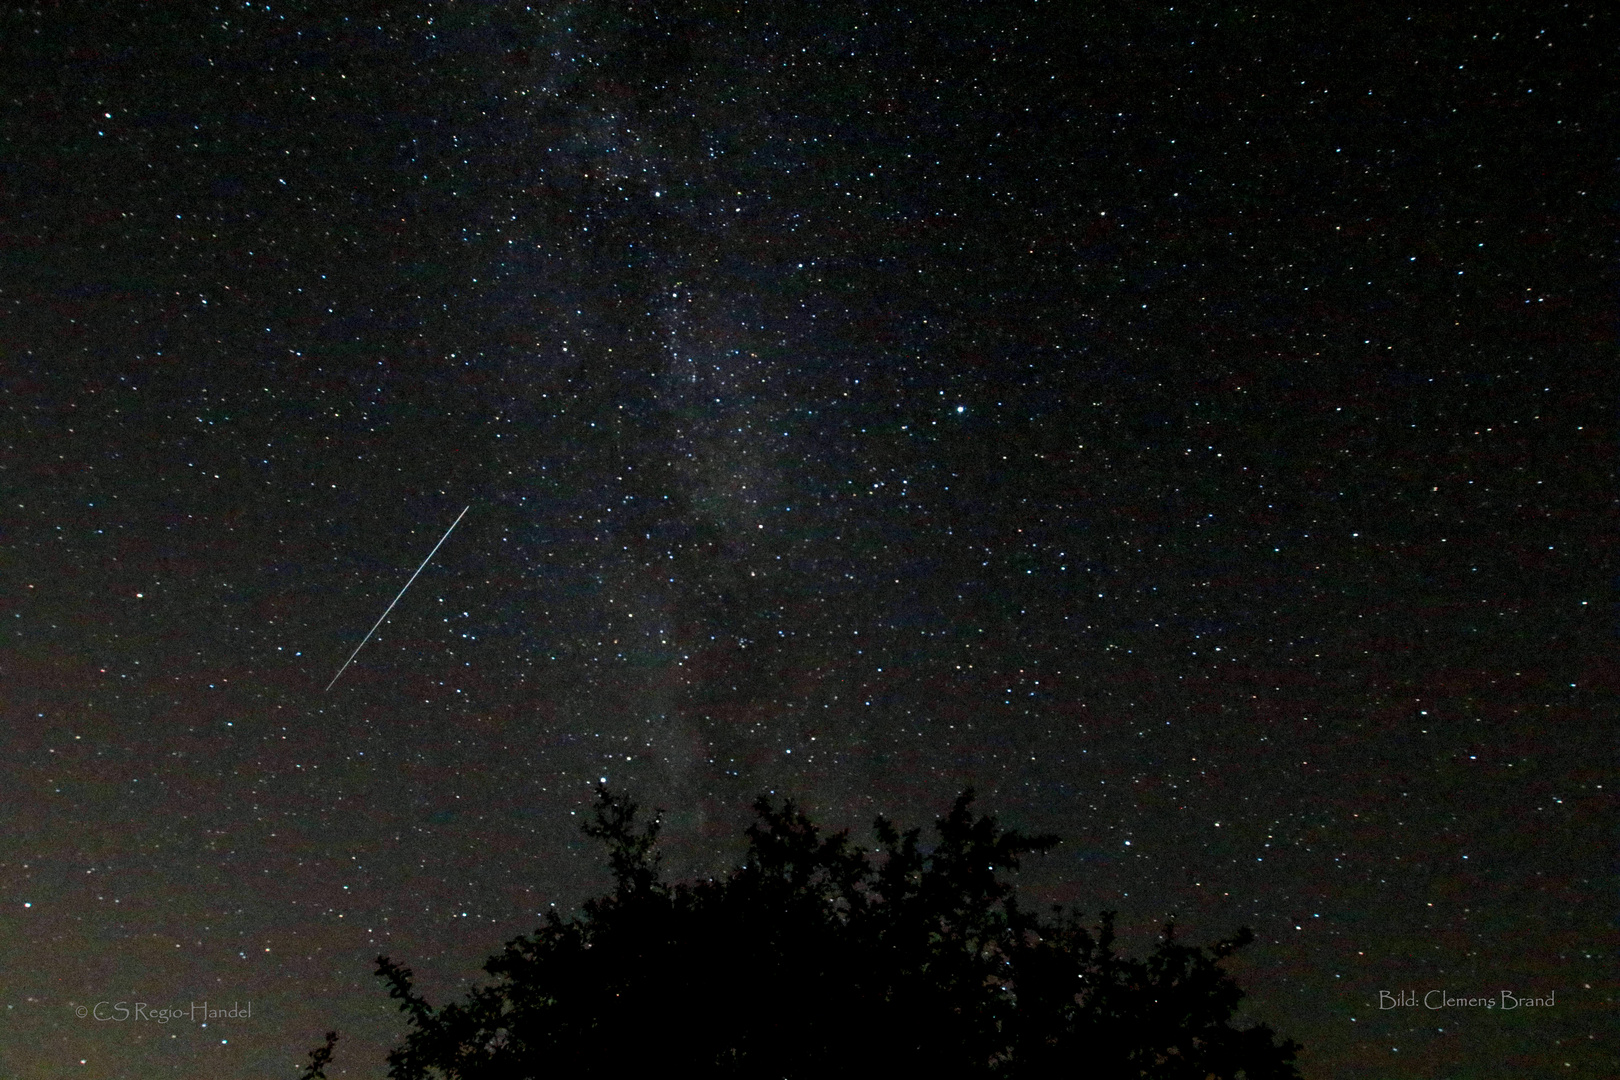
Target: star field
1184,424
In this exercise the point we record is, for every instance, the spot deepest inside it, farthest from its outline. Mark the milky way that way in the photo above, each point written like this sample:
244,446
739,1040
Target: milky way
1184,425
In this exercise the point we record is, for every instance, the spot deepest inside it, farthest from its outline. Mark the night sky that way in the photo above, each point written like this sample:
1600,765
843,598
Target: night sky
1187,425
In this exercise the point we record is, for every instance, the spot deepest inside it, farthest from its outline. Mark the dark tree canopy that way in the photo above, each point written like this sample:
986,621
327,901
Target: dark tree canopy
814,959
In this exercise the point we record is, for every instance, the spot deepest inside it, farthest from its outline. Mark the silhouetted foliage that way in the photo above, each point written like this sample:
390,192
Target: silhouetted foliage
320,1058
814,959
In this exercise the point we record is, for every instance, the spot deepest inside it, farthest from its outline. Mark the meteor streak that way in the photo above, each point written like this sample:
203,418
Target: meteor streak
390,607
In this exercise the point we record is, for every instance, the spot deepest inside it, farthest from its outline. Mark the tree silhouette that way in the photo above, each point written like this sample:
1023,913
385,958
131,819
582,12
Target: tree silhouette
814,958
320,1058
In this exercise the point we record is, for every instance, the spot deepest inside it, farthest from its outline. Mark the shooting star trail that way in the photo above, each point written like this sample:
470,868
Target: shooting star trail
379,622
